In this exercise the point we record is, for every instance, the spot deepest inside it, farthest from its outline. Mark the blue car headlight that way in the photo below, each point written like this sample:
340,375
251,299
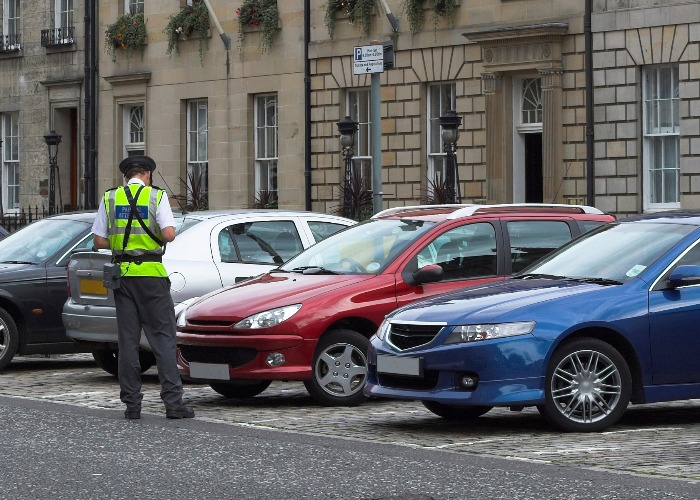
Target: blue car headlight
474,333
383,329
267,319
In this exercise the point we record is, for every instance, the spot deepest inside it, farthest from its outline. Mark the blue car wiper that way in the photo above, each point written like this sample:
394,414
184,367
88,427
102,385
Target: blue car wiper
599,281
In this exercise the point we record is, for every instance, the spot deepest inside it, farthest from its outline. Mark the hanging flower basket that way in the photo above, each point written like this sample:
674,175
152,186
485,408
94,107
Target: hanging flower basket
358,11
414,11
261,15
128,32
191,22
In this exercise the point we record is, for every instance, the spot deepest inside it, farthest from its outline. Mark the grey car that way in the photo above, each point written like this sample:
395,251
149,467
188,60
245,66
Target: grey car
213,249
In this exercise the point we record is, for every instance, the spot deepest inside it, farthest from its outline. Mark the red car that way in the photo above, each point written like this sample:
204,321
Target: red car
311,318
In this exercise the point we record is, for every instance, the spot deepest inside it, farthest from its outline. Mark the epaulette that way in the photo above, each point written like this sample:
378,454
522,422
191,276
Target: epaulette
158,188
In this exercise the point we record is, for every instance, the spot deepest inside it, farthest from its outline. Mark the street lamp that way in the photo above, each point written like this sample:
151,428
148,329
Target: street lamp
52,140
450,123
347,128
2,213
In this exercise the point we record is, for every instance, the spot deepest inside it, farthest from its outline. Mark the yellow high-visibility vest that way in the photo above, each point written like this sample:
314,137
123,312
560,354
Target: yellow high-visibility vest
139,243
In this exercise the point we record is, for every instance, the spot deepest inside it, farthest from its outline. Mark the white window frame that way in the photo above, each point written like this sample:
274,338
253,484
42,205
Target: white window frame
651,110
9,128
446,99
358,107
133,6
266,140
11,27
63,17
522,127
133,134
197,146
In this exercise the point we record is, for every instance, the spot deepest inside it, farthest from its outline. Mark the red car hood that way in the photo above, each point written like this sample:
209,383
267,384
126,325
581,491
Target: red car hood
266,292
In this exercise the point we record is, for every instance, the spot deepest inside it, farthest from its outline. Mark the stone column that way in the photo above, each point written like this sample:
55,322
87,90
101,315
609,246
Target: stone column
495,174
552,128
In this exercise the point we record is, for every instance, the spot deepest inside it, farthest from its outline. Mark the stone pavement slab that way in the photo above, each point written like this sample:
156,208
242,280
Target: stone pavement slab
658,439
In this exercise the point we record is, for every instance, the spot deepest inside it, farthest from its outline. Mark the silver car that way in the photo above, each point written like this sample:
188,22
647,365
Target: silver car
213,249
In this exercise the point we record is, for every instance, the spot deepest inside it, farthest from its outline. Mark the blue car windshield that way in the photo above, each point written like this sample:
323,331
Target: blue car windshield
367,248
615,252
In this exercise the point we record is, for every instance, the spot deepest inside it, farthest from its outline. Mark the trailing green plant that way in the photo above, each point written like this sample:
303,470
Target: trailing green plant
442,8
265,199
191,21
413,10
127,32
258,13
359,11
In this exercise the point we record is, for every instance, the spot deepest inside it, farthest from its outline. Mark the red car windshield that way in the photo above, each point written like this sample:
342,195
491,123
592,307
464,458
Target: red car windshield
366,248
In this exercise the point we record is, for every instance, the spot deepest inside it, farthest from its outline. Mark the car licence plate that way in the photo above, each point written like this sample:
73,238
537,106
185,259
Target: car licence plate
92,287
213,371
400,365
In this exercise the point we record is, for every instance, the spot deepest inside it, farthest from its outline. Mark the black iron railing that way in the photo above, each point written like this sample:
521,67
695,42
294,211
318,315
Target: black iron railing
9,43
16,220
58,36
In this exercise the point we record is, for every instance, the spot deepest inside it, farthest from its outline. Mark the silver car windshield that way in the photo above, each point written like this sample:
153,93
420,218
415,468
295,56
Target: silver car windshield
40,240
615,252
366,248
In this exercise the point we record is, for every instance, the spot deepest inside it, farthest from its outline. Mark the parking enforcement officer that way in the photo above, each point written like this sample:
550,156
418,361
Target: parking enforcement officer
136,222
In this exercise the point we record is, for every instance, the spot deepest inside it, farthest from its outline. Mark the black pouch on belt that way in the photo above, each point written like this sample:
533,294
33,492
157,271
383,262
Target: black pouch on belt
111,274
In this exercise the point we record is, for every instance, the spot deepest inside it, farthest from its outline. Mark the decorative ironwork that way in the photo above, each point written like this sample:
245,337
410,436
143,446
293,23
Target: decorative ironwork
10,43
58,36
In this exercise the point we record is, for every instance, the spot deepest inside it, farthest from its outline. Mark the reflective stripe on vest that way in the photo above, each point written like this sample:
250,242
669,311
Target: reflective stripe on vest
139,243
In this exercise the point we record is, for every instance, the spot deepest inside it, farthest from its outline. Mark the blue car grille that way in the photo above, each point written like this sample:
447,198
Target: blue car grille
231,356
427,382
407,335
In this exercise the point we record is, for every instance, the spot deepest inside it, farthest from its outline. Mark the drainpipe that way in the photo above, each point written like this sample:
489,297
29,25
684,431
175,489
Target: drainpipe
590,163
90,151
307,105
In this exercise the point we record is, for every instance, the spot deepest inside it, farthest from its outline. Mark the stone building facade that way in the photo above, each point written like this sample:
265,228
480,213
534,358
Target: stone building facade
228,127
41,89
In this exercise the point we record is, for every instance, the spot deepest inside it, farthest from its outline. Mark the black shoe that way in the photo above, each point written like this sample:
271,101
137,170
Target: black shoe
132,413
180,412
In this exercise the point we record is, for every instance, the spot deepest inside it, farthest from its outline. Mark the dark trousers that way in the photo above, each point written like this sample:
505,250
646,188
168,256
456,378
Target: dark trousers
145,302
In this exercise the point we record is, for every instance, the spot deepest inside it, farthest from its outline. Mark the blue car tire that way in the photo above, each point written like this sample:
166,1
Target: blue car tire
588,386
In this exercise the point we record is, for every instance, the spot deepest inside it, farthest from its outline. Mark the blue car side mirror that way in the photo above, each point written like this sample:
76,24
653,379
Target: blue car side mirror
684,276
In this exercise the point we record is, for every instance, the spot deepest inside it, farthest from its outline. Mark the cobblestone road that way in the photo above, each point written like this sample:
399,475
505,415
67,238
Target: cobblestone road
660,439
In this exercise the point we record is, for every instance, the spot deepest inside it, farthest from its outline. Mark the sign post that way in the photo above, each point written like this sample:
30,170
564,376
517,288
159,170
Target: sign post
369,59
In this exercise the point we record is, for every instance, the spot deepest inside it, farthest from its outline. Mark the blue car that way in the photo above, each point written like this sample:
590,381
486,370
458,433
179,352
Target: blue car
611,318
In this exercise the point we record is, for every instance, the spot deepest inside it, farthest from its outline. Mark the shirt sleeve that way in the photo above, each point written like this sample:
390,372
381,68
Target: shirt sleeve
164,214
99,227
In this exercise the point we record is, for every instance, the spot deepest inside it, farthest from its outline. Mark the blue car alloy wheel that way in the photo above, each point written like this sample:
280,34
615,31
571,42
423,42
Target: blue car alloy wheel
588,386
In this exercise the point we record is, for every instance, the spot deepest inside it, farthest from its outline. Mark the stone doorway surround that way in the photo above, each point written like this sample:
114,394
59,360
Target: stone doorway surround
507,52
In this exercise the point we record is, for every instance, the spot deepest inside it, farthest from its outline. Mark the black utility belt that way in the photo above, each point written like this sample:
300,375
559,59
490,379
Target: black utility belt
138,259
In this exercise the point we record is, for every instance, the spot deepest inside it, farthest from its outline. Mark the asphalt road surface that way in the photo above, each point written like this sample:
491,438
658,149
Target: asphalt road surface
63,435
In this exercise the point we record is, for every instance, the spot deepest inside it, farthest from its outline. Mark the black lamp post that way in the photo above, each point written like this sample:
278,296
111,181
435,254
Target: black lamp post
2,212
52,140
450,123
347,128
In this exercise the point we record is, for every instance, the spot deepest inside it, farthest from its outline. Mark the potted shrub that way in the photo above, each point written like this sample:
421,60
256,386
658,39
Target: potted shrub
191,21
127,32
360,11
258,14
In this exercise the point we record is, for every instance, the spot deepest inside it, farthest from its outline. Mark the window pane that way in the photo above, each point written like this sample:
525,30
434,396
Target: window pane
532,240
